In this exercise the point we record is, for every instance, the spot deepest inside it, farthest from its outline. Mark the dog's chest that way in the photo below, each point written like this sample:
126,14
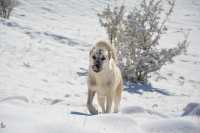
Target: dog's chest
104,82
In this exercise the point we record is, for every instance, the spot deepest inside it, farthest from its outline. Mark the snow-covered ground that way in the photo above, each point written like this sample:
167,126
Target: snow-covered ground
43,69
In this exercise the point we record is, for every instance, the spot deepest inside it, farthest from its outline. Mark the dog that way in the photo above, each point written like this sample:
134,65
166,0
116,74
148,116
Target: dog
104,78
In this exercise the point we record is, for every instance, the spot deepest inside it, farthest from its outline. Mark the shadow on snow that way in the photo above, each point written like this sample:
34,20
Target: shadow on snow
79,113
140,88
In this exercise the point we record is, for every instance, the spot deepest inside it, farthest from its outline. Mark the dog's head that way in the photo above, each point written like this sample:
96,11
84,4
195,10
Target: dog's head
100,56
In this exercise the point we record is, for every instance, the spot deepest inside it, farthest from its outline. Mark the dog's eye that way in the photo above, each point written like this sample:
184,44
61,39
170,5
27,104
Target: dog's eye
103,58
93,57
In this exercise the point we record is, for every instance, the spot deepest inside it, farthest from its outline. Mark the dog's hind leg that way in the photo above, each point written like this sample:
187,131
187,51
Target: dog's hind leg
109,100
117,100
117,97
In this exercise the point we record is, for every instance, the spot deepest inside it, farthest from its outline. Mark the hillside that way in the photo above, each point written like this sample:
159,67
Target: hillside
43,69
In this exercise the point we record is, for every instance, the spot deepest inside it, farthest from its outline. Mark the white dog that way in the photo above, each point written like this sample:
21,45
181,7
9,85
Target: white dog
104,78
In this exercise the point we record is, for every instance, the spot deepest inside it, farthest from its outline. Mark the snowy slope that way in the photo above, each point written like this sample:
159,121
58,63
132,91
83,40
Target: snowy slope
43,68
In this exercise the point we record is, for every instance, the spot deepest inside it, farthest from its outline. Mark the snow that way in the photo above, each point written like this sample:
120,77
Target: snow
43,67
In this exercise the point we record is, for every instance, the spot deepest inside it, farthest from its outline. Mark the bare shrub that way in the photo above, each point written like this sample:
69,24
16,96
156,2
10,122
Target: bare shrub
6,7
136,35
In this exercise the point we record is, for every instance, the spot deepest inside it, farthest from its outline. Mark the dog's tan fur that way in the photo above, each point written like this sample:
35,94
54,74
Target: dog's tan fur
107,83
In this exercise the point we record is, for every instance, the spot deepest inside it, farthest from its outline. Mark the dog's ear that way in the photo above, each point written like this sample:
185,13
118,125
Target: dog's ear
112,54
91,51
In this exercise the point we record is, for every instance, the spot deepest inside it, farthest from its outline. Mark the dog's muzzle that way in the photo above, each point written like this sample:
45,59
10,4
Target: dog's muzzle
96,68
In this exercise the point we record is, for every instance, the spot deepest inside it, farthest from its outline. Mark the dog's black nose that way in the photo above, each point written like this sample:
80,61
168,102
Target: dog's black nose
98,66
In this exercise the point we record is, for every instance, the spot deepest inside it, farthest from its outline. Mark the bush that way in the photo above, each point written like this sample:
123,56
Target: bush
6,7
136,36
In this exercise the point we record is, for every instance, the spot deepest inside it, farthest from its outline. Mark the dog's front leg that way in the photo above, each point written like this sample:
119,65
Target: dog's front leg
90,106
109,103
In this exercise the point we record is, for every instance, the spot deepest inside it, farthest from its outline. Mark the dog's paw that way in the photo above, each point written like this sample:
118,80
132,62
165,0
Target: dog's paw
92,110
